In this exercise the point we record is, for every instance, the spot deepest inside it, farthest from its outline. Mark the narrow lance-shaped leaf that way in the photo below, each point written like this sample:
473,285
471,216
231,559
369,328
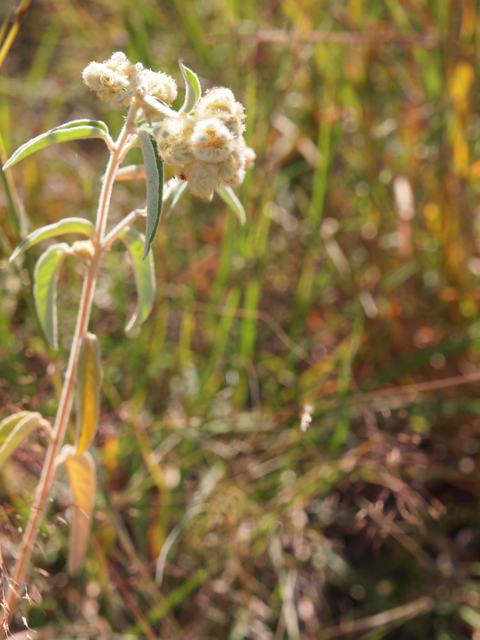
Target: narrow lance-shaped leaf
82,123
59,134
82,479
176,189
89,380
229,196
193,89
144,273
45,289
154,171
67,225
17,435
8,424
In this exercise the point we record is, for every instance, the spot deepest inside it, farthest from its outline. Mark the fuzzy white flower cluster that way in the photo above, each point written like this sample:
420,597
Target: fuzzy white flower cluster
207,146
118,80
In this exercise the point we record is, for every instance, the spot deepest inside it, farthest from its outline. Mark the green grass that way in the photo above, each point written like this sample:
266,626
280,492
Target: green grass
326,297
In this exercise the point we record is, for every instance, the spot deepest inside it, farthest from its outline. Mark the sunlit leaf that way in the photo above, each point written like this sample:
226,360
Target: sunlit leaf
45,289
8,424
67,225
228,195
82,123
144,276
89,380
193,89
64,133
131,172
82,478
16,435
174,190
470,616
154,170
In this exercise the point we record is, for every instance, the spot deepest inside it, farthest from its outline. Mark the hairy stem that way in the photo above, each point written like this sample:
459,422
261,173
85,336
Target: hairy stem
65,404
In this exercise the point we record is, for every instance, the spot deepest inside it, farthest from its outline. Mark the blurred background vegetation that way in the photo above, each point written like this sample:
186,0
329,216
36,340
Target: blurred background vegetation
350,297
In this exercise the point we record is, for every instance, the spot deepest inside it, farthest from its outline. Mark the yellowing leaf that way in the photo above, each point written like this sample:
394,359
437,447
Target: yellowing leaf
82,478
461,82
475,170
89,379
460,151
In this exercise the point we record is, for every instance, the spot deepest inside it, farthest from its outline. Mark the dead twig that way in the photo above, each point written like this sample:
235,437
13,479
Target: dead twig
428,41
386,620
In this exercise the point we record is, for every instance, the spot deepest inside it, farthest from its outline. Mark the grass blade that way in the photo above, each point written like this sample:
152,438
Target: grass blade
229,196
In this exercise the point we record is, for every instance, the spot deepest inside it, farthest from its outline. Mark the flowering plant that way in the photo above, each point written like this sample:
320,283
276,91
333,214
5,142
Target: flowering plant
204,143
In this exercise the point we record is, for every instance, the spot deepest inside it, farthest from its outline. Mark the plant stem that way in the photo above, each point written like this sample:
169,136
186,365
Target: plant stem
66,398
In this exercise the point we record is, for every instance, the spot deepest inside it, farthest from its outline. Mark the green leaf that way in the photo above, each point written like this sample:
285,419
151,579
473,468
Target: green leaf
89,380
154,171
60,134
8,424
45,289
193,89
229,196
18,426
174,190
67,225
470,616
144,273
82,478
82,123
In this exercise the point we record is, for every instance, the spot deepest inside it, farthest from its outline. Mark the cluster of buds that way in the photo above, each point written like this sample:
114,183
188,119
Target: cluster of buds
207,146
118,80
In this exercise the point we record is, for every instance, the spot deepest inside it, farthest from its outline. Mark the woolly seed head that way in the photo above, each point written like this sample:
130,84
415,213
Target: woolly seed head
211,141
157,84
91,75
232,171
220,103
172,138
203,178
